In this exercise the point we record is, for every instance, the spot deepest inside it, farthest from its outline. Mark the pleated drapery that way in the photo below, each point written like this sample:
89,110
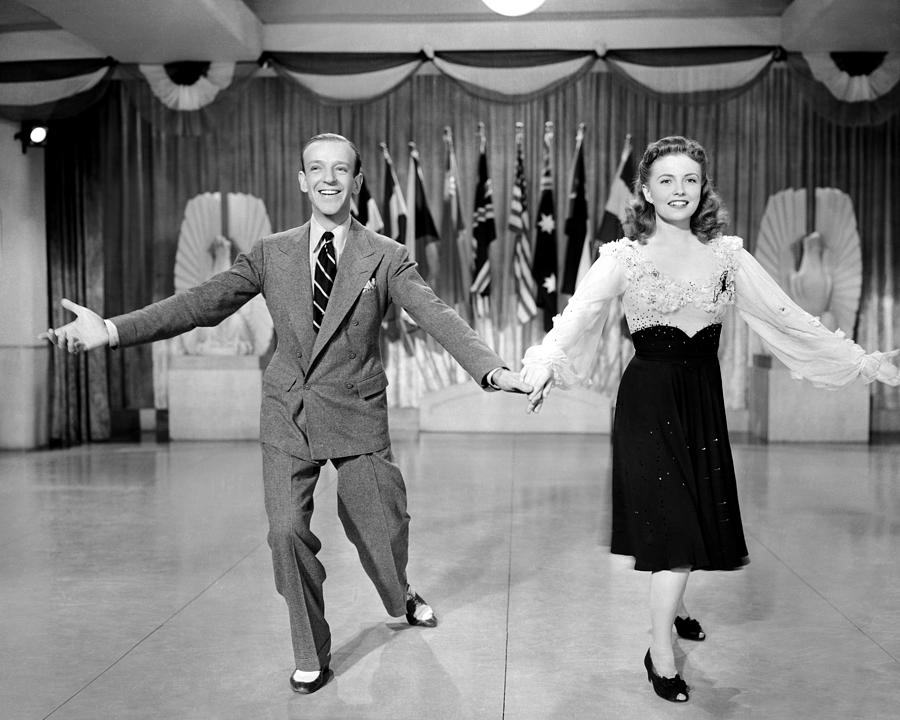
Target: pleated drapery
764,140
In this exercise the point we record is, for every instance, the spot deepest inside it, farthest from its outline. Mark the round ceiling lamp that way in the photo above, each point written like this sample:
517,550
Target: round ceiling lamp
513,8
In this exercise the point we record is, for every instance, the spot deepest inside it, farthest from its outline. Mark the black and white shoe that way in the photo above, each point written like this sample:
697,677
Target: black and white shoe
418,612
307,688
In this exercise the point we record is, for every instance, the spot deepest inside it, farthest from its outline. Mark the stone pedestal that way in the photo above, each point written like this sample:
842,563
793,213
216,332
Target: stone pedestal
786,410
214,397
467,408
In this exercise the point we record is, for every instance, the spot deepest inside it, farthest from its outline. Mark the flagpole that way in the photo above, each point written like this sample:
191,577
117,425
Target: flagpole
411,201
623,158
390,162
450,259
577,223
612,358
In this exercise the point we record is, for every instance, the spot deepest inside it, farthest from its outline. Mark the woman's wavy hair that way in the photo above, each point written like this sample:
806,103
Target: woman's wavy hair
710,218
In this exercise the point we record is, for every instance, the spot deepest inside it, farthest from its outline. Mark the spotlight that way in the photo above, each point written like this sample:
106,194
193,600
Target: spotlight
38,135
32,135
513,8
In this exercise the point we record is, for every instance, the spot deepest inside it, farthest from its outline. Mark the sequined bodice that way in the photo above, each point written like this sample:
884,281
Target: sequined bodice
654,298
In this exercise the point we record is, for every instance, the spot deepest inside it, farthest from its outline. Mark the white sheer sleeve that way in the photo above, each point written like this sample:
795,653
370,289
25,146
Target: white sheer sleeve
799,340
571,347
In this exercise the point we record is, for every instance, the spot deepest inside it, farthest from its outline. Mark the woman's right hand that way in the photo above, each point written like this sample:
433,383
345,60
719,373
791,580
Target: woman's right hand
541,380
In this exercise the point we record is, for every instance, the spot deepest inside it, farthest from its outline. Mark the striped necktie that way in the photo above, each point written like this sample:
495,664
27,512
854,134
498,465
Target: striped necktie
326,267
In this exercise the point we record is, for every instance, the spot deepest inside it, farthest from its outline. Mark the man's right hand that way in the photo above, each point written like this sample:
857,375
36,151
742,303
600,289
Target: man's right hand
86,332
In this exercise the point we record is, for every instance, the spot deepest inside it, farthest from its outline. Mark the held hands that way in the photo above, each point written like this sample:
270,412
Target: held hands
509,381
86,332
541,380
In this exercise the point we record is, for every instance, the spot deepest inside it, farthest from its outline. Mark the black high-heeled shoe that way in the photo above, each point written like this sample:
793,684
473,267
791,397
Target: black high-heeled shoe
689,628
667,688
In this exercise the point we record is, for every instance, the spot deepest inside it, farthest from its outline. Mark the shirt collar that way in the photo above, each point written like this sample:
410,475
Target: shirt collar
340,237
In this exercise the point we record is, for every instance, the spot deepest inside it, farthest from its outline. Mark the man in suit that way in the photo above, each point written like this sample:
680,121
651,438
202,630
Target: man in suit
328,285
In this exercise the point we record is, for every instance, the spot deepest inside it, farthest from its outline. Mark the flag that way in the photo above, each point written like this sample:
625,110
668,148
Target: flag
394,204
614,348
610,227
544,270
397,322
484,232
421,233
578,252
454,280
519,226
365,209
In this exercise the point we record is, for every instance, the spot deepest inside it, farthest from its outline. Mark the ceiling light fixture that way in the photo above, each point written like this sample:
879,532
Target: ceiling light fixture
32,135
513,8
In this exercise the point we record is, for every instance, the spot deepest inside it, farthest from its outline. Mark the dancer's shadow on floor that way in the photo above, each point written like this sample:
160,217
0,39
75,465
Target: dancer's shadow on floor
419,685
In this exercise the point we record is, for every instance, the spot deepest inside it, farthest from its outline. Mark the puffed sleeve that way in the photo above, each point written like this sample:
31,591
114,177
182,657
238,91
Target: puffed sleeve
571,347
799,340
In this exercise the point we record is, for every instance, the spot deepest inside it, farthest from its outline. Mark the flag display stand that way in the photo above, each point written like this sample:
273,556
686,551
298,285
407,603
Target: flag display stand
214,397
783,409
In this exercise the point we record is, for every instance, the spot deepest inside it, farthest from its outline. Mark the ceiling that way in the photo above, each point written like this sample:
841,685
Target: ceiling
160,31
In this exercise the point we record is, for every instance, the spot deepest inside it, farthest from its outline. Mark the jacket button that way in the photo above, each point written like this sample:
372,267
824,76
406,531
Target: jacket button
306,387
356,322
352,356
299,354
349,386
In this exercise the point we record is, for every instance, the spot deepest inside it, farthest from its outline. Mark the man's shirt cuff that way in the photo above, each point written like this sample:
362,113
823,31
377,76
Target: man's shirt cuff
113,333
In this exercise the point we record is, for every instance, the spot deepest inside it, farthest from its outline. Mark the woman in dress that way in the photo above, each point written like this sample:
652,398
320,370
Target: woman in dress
675,503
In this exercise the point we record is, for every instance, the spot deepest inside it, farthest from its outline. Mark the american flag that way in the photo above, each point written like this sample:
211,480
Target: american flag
520,227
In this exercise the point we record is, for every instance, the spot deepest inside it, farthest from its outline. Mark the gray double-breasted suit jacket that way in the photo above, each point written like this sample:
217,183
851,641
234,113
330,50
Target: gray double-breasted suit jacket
333,379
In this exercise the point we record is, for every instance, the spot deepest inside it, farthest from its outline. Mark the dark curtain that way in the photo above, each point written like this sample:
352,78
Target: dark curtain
140,176
79,398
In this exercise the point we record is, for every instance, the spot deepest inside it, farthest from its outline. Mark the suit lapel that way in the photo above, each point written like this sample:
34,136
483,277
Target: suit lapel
297,253
357,263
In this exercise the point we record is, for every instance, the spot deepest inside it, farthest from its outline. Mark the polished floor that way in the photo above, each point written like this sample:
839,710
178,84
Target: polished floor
135,582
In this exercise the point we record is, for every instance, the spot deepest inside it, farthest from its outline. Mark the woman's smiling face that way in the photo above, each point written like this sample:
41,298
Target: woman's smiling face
674,189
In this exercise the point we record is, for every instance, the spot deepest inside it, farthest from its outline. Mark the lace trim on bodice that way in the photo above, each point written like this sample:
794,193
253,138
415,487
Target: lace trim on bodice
651,295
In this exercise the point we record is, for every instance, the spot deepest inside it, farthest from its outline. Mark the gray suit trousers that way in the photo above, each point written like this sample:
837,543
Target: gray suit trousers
372,509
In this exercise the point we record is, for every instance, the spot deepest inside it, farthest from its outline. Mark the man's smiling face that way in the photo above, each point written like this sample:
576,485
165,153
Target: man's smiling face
327,178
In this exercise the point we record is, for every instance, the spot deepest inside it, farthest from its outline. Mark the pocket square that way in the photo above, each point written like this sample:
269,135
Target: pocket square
370,285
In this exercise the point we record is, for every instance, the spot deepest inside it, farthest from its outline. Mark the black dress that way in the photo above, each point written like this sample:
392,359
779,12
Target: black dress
674,498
